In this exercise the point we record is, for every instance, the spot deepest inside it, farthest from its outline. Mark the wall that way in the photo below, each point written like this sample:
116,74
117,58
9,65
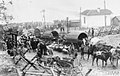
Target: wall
75,24
95,21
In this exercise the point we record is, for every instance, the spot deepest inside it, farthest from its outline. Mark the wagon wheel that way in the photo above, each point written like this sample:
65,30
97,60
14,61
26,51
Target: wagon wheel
45,68
57,69
76,71
69,72
61,70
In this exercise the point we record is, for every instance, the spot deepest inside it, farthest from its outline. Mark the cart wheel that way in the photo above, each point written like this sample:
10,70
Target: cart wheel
74,72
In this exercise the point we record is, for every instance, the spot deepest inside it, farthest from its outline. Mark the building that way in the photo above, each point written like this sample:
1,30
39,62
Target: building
74,23
96,18
115,21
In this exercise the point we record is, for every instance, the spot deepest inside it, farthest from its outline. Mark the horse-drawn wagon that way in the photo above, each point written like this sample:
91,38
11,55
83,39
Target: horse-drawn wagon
76,36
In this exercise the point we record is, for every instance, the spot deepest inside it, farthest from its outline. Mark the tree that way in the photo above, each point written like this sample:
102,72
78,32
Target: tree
4,17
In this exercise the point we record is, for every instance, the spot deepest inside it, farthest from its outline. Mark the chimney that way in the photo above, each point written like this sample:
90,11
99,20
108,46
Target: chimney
98,10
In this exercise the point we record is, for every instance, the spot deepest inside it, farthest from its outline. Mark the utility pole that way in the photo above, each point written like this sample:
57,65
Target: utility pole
80,18
67,24
105,9
43,17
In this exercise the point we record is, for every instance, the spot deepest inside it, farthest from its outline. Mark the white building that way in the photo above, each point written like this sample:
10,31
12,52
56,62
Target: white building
95,18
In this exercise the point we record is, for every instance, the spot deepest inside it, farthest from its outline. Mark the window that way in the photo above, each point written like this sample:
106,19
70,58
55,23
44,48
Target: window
84,20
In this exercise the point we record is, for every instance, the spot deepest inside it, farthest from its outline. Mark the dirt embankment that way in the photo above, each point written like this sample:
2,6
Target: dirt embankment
113,40
6,65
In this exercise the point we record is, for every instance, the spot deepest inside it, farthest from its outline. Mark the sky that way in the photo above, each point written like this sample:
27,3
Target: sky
30,10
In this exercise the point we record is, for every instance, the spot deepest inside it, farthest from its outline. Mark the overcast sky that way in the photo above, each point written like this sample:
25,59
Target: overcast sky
30,10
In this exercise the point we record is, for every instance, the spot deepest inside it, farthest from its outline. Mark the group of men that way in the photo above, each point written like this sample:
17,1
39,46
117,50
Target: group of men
91,32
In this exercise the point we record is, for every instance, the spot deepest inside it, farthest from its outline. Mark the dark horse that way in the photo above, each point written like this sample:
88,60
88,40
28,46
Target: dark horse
101,52
85,48
43,50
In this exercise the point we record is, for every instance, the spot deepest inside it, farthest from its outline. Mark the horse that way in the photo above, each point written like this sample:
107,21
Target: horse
42,49
103,55
115,56
84,48
91,46
101,52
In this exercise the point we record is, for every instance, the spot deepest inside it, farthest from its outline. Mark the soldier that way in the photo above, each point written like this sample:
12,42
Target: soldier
92,32
89,32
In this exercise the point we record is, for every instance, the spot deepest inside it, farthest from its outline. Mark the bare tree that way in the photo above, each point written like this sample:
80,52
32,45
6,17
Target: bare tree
4,17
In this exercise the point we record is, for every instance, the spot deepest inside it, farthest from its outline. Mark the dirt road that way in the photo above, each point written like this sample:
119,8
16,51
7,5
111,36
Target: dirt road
96,71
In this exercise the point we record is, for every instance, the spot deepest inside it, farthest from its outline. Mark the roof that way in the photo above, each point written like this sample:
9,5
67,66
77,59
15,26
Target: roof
96,12
118,17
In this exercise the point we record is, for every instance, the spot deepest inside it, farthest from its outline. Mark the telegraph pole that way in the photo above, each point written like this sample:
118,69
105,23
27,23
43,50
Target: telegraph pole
43,17
105,9
67,24
80,18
